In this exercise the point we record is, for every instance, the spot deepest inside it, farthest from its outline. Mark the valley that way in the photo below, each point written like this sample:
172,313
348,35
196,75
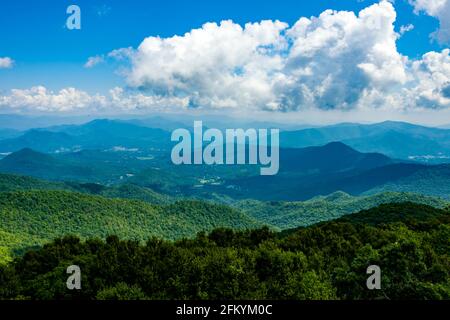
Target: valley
109,177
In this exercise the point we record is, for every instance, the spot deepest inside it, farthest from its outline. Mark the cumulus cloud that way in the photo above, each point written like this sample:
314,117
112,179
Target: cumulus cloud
431,7
6,63
324,62
40,98
433,89
93,61
406,28
439,9
71,100
339,60
216,66
128,101
121,54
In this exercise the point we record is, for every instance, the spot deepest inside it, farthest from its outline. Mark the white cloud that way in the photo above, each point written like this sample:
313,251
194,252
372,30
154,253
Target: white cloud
123,101
6,63
71,100
216,66
93,61
337,61
406,28
118,55
431,7
324,62
433,85
41,99
121,54
439,9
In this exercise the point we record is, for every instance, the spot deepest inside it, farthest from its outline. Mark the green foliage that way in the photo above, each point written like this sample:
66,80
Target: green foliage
285,215
394,212
130,191
433,181
34,217
10,182
122,291
324,261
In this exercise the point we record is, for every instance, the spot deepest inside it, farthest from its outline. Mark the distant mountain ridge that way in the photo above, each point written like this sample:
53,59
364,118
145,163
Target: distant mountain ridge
32,163
304,173
96,134
332,157
394,139
433,180
115,152
397,140
292,214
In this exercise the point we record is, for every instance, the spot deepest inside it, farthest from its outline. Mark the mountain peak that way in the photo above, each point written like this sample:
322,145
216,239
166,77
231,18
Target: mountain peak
336,145
27,153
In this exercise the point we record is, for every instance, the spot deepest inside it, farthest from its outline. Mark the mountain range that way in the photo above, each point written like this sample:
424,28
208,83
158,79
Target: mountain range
397,140
304,173
97,134
115,177
34,211
394,139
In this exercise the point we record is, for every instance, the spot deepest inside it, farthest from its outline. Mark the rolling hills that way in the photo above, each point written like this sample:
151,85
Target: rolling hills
304,173
433,181
398,140
286,215
406,212
324,261
97,134
84,166
29,162
11,182
35,217
331,157
33,211
342,199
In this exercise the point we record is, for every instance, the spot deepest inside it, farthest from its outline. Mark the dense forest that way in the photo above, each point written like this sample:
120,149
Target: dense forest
29,218
410,243
291,214
32,217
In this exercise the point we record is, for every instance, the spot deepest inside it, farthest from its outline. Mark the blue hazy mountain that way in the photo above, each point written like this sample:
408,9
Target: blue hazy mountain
9,133
222,122
45,141
119,151
332,157
299,187
432,180
31,163
394,139
304,173
96,134
27,122
312,171
84,166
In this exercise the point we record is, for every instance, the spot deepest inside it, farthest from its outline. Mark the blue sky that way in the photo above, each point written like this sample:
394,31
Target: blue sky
46,53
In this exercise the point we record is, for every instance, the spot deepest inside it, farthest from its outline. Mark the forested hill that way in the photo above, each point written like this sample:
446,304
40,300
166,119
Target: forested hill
324,261
35,217
11,182
399,212
291,214
33,212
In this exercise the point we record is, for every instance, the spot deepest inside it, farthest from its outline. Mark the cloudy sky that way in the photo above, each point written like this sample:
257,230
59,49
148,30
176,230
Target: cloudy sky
331,60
